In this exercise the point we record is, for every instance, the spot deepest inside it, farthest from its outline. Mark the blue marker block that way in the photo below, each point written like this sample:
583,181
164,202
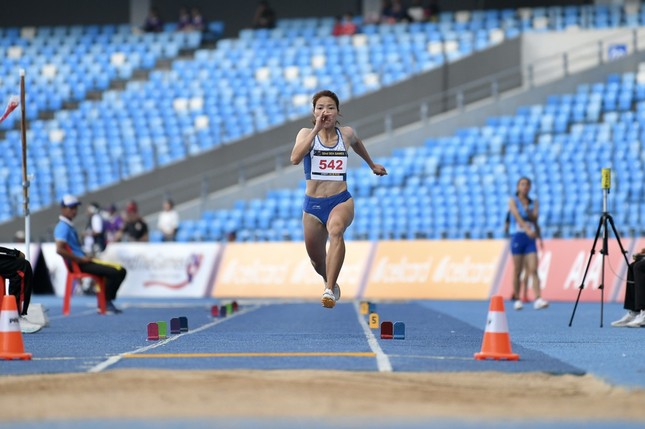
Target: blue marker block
174,326
183,324
222,311
371,308
399,331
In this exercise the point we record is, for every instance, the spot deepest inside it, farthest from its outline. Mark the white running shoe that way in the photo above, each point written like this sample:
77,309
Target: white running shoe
623,321
328,300
517,304
638,320
540,303
336,291
26,327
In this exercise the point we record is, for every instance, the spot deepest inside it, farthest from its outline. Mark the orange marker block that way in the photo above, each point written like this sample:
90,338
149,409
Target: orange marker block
365,306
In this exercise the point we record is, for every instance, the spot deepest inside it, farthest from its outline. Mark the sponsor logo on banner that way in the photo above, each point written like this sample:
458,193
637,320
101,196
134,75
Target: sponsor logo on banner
283,270
561,268
432,269
192,264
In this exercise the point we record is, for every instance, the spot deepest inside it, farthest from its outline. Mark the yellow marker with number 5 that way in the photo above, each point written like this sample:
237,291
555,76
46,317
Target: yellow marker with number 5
374,321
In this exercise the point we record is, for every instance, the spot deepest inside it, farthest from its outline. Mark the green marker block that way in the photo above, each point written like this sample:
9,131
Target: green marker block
229,308
163,330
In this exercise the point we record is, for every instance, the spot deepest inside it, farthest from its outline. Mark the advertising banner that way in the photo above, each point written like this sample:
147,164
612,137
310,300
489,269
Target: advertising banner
434,269
561,268
154,269
283,270
165,269
56,267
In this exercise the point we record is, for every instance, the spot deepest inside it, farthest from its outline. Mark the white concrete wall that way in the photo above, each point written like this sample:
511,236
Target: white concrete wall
584,49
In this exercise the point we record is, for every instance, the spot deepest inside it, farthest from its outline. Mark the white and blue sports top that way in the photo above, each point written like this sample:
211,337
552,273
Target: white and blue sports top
327,163
513,227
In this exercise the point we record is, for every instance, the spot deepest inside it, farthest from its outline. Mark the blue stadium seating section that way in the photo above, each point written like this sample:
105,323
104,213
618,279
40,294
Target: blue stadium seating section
64,63
459,186
79,150
212,99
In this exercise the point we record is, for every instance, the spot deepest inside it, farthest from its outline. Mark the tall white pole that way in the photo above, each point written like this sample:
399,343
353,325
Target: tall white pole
25,178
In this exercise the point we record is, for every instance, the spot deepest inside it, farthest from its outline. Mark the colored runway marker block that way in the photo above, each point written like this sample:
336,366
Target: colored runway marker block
153,331
174,326
365,307
373,320
387,330
215,311
399,331
235,307
229,308
183,324
163,330
222,311
371,308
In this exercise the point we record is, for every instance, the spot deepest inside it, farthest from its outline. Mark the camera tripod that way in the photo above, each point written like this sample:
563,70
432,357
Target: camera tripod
605,219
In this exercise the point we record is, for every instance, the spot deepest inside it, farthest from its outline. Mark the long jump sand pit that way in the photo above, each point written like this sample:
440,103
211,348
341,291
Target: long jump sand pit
141,394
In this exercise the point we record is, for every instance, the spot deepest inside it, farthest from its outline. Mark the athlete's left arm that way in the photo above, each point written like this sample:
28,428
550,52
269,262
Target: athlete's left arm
533,213
534,219
536,210
358,146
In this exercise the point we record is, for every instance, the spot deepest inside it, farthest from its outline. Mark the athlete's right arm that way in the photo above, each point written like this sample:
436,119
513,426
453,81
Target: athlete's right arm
304,142
512,207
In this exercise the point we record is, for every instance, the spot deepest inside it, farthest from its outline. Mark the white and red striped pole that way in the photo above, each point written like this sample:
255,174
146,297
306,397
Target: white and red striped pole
25,177
11,106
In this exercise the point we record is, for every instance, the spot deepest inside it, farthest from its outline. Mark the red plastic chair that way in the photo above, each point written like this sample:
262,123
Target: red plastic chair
76,274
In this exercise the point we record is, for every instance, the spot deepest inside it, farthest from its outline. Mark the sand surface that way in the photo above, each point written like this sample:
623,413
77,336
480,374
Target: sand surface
286,394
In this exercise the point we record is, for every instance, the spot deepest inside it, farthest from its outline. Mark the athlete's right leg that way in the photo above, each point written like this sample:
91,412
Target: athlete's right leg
315,235
518,266
532,273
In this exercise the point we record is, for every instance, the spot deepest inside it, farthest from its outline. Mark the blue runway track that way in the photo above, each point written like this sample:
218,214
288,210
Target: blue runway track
440,336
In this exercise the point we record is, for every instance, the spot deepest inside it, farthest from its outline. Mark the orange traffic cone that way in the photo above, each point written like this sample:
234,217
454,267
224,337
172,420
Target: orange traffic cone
11,346
497,342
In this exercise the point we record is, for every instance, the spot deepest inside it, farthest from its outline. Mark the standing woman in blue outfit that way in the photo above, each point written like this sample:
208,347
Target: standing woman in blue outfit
328,208
525,232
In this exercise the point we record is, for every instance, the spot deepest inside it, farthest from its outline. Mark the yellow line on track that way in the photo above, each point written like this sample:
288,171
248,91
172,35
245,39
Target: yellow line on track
223,355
